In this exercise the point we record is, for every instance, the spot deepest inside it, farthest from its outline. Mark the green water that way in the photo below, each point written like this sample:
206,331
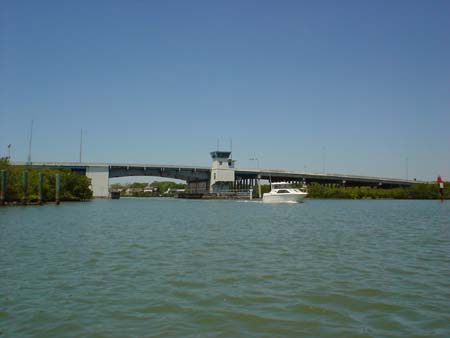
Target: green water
180,268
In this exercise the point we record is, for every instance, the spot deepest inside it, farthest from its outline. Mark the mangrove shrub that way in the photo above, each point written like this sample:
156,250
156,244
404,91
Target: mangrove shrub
74,187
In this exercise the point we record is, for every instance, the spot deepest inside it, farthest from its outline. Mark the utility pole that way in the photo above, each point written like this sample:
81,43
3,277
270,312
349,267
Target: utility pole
29,145
9,151
81,143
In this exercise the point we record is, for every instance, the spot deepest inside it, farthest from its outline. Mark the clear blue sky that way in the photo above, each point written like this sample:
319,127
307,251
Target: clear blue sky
159,82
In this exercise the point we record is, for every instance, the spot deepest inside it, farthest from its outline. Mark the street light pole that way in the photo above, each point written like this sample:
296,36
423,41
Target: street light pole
258,177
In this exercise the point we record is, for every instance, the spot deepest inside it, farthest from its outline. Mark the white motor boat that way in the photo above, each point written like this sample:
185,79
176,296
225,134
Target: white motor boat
282,192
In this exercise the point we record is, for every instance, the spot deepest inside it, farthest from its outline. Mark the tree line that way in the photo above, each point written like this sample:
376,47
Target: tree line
423,191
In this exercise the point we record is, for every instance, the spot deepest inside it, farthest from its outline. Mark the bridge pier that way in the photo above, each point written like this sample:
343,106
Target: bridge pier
99,176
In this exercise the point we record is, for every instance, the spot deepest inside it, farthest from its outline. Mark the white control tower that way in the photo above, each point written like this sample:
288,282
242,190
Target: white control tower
222,171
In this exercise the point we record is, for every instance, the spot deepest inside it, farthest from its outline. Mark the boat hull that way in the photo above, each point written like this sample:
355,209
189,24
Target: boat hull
283,198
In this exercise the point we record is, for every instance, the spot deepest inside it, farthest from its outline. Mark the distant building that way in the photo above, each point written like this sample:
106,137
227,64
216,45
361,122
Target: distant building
131,191
174,191
150,189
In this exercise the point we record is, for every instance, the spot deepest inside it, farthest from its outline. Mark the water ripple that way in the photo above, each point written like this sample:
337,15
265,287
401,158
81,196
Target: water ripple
171,268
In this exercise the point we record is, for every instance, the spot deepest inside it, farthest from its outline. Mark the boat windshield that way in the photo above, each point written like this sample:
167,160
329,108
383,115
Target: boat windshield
281,186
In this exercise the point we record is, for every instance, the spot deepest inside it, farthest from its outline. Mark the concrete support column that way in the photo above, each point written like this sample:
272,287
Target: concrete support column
258,180
99,180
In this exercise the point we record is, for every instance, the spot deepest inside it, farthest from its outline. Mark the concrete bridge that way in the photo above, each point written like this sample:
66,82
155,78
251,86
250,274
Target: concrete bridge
200,178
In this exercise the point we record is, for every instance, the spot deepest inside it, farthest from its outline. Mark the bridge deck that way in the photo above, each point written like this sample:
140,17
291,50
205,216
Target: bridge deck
182,171
325,177
110,165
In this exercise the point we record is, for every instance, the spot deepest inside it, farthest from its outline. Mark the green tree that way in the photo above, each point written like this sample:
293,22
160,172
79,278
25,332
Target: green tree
73,186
